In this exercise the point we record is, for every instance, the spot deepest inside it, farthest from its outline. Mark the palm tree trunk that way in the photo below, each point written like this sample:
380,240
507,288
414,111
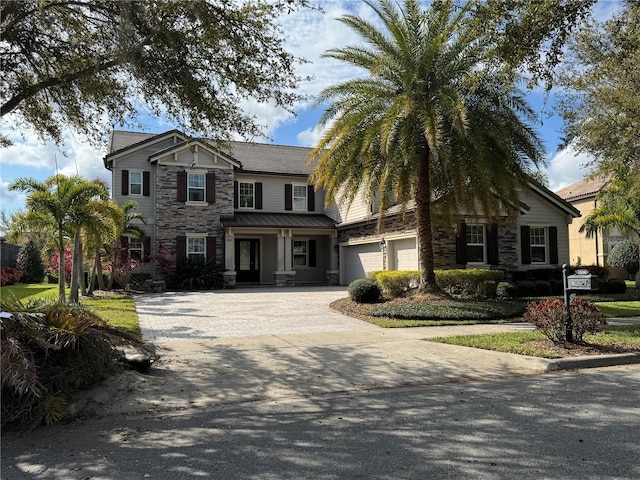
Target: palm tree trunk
73,291
81,280
98,268
61,279
423,228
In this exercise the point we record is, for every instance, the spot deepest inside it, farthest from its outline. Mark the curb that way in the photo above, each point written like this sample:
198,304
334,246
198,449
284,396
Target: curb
593,361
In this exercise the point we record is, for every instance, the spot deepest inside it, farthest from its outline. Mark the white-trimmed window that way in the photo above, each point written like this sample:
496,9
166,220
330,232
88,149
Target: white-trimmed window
476,246
300,197
196,187
135,183
246,194
538,238
196,248
135,249
300,253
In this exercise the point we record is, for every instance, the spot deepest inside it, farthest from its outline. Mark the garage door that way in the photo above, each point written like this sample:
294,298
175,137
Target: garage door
405,254
360,259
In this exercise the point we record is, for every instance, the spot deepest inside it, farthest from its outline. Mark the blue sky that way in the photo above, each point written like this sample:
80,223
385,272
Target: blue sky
308,34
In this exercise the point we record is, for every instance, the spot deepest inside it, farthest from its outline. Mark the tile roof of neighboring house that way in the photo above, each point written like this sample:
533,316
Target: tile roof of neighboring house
581,189
279,220
254,157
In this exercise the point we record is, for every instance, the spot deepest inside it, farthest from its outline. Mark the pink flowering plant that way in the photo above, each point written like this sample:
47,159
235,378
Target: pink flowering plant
549,316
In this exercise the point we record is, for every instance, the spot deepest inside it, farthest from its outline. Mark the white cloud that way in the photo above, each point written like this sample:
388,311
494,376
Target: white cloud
311,137
568,167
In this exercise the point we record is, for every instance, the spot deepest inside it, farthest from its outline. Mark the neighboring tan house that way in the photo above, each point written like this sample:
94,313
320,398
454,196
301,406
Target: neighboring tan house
251,208
583,195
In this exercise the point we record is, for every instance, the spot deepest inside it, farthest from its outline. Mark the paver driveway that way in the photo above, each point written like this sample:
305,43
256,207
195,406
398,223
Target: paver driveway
242,313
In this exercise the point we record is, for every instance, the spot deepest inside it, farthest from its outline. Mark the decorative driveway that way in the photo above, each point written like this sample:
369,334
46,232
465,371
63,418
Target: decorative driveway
242,313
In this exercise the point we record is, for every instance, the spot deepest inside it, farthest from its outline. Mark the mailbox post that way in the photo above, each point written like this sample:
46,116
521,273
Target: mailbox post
581,280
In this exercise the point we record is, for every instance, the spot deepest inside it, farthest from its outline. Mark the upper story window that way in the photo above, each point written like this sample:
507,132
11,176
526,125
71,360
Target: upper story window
475,244
135,183
246,194
196,187
196,248
300,197
538,240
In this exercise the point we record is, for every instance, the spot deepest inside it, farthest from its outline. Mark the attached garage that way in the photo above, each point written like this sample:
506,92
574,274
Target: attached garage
405,254
357,260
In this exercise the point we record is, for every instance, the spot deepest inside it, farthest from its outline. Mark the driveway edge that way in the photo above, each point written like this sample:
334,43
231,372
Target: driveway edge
594,361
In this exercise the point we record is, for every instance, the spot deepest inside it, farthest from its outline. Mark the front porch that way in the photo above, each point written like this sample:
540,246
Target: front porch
280,249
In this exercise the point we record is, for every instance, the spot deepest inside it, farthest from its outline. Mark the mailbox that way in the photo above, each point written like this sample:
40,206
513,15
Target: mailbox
583,280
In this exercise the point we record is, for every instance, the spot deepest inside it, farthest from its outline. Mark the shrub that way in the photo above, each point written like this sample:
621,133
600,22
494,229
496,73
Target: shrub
465,282
197,274
487,289
506,290
50,350
364,290
30,264
549,316
9,276
451,309
625,255
614,285
543,288
526,288
395,282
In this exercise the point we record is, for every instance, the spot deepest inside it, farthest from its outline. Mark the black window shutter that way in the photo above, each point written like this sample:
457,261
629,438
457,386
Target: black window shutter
553,245
311,199
125,182
211,187
147,249
235,194
461,244
181,249
146,179
288,196
211,248
182,186
492,244
525,244
258,195
124,242
312,253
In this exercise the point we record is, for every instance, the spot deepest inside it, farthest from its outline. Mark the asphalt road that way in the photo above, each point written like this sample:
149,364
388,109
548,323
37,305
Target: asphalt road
570,425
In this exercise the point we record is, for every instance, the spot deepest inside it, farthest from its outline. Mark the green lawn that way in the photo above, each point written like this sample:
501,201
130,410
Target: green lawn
117,310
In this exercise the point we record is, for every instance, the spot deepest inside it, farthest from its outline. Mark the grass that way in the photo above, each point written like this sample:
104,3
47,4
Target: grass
116,310
620,309
612,339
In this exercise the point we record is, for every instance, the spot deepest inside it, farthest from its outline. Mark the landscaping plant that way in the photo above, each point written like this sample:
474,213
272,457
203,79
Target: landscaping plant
364,290
29,262
549,316
197,274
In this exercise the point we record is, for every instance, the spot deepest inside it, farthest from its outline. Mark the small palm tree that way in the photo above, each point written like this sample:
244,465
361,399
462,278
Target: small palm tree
428,121
130,226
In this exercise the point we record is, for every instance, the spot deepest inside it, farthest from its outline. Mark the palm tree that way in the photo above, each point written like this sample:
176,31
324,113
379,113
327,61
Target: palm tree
131,226
429,121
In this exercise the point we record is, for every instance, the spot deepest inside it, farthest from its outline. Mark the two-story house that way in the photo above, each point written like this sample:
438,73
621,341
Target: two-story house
251,208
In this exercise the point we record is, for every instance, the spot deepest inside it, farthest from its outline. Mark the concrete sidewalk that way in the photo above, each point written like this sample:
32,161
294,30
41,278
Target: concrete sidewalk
314,353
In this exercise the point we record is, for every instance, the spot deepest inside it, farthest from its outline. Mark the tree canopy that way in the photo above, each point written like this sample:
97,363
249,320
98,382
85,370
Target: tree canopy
87,64
429,121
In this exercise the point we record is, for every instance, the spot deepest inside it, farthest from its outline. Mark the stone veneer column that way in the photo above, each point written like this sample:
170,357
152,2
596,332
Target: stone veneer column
285,275
333,274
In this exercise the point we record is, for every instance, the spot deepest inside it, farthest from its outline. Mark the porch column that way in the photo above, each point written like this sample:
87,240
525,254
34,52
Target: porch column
284,276
333,274
281,251
288,252
229,274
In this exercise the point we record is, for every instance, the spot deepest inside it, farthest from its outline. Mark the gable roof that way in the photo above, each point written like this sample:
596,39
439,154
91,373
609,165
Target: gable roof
583,189
254,157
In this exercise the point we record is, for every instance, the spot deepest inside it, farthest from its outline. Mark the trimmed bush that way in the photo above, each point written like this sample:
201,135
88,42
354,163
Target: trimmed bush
543,288
465,282
625,255
549,316
526,288
9,276
396,282
487,289
452,310
614,285
364,290
505,290
29,262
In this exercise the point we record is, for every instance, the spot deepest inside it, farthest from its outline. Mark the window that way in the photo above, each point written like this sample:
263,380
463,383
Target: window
538,245
300,253
300,197
135,249
195,187
135,183
196,248
246,195
475,244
